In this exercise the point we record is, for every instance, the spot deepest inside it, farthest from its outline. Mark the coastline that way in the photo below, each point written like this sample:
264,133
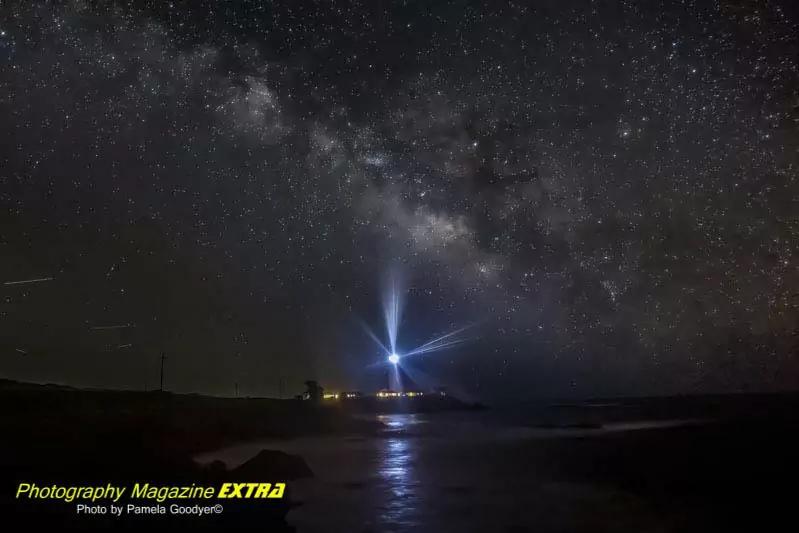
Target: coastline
697,471
69,437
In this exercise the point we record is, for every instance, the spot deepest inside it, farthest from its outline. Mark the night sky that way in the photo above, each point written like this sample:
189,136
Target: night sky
607,189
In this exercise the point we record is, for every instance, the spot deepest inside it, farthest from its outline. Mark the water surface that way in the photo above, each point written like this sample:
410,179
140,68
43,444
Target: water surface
447,472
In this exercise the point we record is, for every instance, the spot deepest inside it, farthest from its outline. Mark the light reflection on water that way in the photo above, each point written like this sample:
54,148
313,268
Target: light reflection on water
396,463
396,470
432,474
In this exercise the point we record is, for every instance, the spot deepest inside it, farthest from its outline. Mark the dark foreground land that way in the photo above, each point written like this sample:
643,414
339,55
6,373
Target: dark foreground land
732,469
54,435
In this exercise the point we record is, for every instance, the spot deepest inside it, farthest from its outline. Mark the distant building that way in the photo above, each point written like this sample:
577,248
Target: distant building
388,393
313,391
352,395
397,379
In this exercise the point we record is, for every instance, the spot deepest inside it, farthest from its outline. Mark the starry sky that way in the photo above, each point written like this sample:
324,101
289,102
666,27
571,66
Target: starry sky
607,189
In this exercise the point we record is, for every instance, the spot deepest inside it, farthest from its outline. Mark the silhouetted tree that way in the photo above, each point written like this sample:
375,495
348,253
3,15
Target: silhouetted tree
313,390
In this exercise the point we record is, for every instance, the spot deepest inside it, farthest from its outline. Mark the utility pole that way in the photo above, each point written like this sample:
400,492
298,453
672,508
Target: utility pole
237,371
162,371
280,386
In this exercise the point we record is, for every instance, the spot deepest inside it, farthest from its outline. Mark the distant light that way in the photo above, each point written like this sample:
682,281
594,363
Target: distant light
393,359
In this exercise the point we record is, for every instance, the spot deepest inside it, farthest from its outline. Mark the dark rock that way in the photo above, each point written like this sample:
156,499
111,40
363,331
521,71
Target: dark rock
273,465
216,468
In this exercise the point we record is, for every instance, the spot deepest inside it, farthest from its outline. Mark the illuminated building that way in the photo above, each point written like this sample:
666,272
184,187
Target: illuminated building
352,395
388,393
397,379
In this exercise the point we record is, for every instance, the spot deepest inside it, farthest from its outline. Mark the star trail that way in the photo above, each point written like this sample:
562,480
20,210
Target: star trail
610,188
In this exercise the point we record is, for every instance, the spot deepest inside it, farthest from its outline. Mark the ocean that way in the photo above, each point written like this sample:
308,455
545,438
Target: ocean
453,472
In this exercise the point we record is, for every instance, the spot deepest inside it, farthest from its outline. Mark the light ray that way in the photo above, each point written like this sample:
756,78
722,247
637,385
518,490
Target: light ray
446,336
441,343
420,377
393,306
395,383
374,337
37,280
435,348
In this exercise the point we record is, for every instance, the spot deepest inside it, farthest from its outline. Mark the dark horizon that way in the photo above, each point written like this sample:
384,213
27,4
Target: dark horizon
495,402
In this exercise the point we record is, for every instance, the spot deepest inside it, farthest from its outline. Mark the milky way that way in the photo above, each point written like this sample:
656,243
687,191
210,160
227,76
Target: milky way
609,188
